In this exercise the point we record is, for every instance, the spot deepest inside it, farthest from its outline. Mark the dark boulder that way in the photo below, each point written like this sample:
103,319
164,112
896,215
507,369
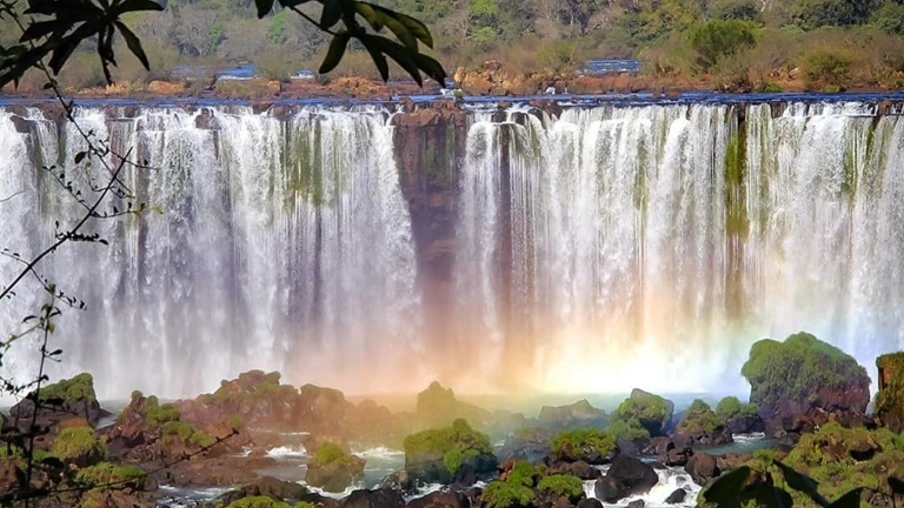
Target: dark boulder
398,481
676,497
639,503
334,470
626,477
266,486
61,401
589,503
677,457
703,468
441,499
742,424
581,469
381,498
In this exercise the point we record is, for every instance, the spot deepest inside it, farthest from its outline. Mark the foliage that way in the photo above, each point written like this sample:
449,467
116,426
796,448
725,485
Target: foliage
562,485
108,475
629,429
718,39
156,415
650,410
505,494
523,473
797,368
700,416
827,70
79,388
583,440
444,442
890,18
731,407
187,433
890,398
258,502
331,454
74,442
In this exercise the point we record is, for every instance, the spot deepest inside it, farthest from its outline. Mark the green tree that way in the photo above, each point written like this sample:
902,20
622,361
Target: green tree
717,39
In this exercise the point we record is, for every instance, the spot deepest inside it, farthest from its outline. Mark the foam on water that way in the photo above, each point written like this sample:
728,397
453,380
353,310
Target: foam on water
287,452
670,480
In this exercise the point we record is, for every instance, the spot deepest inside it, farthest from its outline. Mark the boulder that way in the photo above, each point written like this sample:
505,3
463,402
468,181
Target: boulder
528,443
380,498
805,376
585,445
398,481
334,470
61,401
581,414
589,503
581,469
266,486
703,468
652,412
676,497
676,457
441,499
701,426
256,397
626,477
456,454
437,406
745,425
638,503
890,398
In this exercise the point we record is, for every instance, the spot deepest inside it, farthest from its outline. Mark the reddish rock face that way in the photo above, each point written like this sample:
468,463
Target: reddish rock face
890,399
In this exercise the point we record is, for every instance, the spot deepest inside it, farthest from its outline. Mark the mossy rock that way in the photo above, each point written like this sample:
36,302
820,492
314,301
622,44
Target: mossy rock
438,406
106,476
442,455
651,411
563,486
190,436
259,502
740,417
80,446
334,470
627,429
701,425
588,445
890,398
65,399
791,377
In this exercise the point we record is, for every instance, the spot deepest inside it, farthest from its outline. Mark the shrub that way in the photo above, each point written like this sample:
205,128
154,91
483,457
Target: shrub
717,39
700,417
75,442
187,433
105,475
258,502
562,485
523,473
80,387
827,70
443,443
797,368
499,494
650,410
575,441
629,429
730,407
156,415
890,18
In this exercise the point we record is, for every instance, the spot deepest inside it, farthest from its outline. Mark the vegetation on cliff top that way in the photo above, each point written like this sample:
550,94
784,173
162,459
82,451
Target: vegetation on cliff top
700,417
650,410
797,369
580,441
515,491
78,388
453,445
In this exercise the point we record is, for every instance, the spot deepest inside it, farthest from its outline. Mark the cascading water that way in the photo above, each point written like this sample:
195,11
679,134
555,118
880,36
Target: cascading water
279,245
650,246
601,250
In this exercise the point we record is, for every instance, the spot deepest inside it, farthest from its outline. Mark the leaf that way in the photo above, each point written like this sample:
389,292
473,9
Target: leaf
331,13
79,157
849,500
39,29
896,485
396,51
335,53
61,54
380,61
412,25
263,7
802,483
728,486
139,5
22,480
432,68
56,352
134,44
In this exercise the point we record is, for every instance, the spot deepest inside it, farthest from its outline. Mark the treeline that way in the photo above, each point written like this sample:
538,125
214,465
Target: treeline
829,43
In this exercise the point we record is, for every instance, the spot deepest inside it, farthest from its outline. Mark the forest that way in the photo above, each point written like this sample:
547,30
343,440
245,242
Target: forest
830,44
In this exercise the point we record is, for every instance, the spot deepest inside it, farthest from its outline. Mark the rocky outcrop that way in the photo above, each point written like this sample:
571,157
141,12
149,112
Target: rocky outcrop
578,415
739,417
456,454
703,468
628,476
441,499
890,398
437,406
379,498
58,402
527,443
334,470
257,398
649,411
700,426
804,376
583,445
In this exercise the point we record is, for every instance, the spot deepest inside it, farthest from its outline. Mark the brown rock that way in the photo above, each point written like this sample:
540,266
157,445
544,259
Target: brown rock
703,468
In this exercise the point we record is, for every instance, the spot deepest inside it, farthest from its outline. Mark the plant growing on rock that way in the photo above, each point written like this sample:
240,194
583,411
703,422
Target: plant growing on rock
107,475
651,411
259,502
629,429
890,398
332,469
731,407
78,388
514,491
189,435
79,444
581,442
453,445
562,485
700,417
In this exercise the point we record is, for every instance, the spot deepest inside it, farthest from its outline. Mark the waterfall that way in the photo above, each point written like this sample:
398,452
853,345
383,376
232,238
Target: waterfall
270,243
650,246
596,250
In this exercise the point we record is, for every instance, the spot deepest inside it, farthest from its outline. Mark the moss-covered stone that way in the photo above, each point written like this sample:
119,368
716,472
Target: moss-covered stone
258,502
333,470
562,485
588,445
629,429
701,425
80,387
799,369
157,415
59,402
106,475
731,406
79,445
448,449
191,436
507,494
890,398
651,411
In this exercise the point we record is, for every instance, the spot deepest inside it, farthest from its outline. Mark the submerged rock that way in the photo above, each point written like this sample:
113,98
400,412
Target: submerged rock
626,477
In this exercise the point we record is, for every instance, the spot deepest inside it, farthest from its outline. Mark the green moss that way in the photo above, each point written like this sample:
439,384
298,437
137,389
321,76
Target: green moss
75,442
156,415
700,417
731,407
562,485
80,387
650,410
187,433
439,443
331,454
797,369
258,502
107,475
576,441
890,398
454,459
499,494
630,429
523,473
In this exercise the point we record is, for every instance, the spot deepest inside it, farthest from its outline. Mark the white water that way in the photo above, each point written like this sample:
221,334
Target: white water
282,245
288,245
670,480
625,269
